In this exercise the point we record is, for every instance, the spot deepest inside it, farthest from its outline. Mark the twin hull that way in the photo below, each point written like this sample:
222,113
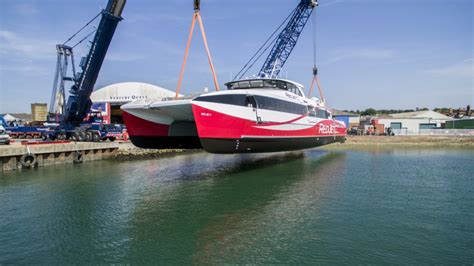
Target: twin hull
226,128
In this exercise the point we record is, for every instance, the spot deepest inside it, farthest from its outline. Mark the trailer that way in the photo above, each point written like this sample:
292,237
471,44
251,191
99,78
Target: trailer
26,132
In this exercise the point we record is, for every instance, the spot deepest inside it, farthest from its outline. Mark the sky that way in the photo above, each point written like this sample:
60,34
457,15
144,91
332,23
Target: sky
384,54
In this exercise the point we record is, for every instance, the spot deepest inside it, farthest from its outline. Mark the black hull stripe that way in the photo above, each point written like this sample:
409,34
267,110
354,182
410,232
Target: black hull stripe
147,142
259,145
230,146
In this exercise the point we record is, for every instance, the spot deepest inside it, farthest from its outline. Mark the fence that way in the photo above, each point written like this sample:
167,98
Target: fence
434,132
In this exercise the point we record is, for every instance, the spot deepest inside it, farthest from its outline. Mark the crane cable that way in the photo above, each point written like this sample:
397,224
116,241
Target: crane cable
251,61
314,37
270,44
315,79
83,27
247,67
83,39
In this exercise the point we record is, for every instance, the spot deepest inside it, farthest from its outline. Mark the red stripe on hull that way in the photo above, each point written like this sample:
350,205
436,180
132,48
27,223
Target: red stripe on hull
140,127
212,124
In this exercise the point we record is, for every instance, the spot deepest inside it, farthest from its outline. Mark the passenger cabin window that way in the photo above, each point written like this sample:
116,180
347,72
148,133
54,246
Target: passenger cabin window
293,89
256,83
280,105
281,84
261,102
316,112
243,85
321,113
250,101
269,83
234,99
264,83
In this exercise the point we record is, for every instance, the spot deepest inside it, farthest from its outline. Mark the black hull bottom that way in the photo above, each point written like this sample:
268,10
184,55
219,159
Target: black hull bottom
257,145
166,142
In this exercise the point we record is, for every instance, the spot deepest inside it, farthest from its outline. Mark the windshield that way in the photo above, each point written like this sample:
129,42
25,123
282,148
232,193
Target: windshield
263,83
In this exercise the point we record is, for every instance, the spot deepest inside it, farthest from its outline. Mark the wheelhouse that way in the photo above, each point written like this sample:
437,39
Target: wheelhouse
266,84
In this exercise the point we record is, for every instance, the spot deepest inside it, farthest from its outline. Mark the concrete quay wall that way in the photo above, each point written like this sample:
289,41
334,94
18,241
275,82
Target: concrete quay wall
54,154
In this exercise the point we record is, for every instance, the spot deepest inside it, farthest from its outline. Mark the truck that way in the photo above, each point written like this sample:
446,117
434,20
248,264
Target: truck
22,132
4,137
93,129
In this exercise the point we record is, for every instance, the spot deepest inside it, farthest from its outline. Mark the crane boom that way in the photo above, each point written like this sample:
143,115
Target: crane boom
79,103
287,39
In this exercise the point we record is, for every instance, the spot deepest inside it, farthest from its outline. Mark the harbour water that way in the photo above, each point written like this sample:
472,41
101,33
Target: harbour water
403,206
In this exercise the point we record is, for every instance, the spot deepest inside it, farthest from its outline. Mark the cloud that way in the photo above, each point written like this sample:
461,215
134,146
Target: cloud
464,68
26,69
29,48
365,53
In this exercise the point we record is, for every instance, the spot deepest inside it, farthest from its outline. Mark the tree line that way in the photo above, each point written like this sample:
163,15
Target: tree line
372,111
443,110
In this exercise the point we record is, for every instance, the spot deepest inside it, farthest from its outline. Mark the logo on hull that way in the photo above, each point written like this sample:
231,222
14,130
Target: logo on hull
327,129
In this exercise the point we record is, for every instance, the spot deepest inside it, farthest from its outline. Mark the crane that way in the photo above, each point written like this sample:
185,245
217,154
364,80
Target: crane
283,43
64,57
287,39
78,104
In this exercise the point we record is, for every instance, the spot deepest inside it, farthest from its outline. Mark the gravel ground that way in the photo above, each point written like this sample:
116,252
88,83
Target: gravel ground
405,141
127,151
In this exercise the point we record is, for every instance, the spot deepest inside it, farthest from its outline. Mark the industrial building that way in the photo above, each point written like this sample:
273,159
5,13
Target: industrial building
108,99
410,122
349,119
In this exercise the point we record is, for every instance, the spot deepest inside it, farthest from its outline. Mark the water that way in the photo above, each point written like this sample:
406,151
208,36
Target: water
399,206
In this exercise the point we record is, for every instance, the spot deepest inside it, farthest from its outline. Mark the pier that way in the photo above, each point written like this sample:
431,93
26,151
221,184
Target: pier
31,155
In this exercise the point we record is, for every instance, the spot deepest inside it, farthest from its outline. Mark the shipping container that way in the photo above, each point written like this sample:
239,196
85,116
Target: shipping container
460,124
343,118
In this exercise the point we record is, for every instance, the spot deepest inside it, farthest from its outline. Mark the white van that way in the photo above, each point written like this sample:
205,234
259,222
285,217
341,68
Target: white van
4,137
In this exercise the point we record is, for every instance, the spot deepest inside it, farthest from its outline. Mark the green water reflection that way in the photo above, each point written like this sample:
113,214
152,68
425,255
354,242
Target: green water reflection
398,206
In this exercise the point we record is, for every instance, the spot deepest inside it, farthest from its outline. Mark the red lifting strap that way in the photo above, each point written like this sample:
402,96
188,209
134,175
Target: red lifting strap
188,44
316,79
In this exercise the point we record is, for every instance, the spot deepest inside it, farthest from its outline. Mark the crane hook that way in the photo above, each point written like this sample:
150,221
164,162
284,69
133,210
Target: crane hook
197,5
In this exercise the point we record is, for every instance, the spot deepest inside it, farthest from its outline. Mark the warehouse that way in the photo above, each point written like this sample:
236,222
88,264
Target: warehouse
349,119
411,122
108,99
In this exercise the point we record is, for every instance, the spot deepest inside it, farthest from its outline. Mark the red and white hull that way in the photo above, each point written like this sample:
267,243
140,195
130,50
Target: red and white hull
224,128
261,119
161,125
